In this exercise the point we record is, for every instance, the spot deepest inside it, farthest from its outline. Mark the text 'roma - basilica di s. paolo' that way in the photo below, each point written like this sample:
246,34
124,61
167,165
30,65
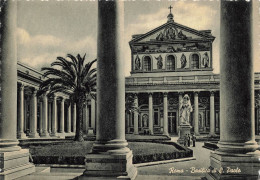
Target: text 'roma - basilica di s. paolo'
167,63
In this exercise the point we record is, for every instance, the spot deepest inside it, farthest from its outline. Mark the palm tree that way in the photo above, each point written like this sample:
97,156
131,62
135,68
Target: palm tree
130,106
75,77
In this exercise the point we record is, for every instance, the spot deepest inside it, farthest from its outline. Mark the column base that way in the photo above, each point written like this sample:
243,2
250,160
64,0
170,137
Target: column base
15,164
234,166
33,135
22,135
183,130
109,166
44,134
90,132
53,134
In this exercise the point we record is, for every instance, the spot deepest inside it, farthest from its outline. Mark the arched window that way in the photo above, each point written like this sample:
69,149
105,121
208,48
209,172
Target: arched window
147,63
195,59
170,63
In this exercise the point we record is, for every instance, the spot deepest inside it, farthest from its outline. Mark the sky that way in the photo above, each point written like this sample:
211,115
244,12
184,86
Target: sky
47,29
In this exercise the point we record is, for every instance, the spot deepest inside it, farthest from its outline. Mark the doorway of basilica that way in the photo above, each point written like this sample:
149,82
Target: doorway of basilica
172,125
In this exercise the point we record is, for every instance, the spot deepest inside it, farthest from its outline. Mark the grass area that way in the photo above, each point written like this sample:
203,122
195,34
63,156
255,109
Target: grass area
72,148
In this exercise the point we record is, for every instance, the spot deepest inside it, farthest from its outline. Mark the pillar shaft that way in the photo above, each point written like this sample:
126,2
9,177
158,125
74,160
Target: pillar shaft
54,116
8,120
14,161
136,115
62,116
212,114
196,113
93,113
110,155
165,114
69,118
110,79
87,118
44,115
33,118
49,117
237,77
74,117
151,112
21,133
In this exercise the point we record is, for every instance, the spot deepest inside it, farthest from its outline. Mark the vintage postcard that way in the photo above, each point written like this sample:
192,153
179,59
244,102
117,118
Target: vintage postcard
138,89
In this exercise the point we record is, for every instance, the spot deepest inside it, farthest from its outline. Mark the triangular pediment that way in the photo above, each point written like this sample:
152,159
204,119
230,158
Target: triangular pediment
172,31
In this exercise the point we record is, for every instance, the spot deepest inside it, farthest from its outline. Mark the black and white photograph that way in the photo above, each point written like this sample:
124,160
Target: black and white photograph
130,89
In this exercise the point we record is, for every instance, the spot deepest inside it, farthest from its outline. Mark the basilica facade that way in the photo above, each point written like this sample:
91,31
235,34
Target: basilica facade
166,63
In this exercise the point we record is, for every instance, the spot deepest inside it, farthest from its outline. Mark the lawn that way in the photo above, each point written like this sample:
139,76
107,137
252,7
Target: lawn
72,148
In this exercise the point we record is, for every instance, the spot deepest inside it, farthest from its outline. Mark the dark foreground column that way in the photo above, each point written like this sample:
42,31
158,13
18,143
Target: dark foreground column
111,158
237,145
14,161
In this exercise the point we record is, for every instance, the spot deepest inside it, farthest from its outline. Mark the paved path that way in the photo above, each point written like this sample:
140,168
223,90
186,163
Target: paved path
162,171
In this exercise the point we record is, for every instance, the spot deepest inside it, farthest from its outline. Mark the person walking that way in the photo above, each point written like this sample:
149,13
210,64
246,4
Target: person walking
193,138
188,139
185,141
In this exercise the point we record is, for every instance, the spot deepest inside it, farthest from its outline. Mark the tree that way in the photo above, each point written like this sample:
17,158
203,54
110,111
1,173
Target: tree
130,106
75,77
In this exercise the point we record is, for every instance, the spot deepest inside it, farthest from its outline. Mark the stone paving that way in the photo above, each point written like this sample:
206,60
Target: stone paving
182,169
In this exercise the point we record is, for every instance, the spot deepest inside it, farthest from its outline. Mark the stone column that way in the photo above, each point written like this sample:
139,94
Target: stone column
196,113
44,116
14,160
136,115
74,118
40,118
54,116
151,112
165,114
110,156
49,117
127,121
237,145
87,118
93,114
21,134
69,118
33,118
62,115
212,114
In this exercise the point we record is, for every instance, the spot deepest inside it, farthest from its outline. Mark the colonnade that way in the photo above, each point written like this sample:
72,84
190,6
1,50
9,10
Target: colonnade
55,114
165,112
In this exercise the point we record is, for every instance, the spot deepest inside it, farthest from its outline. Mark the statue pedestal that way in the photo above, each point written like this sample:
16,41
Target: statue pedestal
183,130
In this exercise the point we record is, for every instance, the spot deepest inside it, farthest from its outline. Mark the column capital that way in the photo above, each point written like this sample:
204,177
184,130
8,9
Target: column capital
196,93
150,94
62,99
180,92
54,96
136,95
21,87
165,94
212,93
34,93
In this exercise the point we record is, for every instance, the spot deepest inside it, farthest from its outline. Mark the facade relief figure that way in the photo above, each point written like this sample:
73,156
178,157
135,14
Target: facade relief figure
205,60
170,33
137,63
183,61
181,35
160,37
185,109
145,120
159,62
